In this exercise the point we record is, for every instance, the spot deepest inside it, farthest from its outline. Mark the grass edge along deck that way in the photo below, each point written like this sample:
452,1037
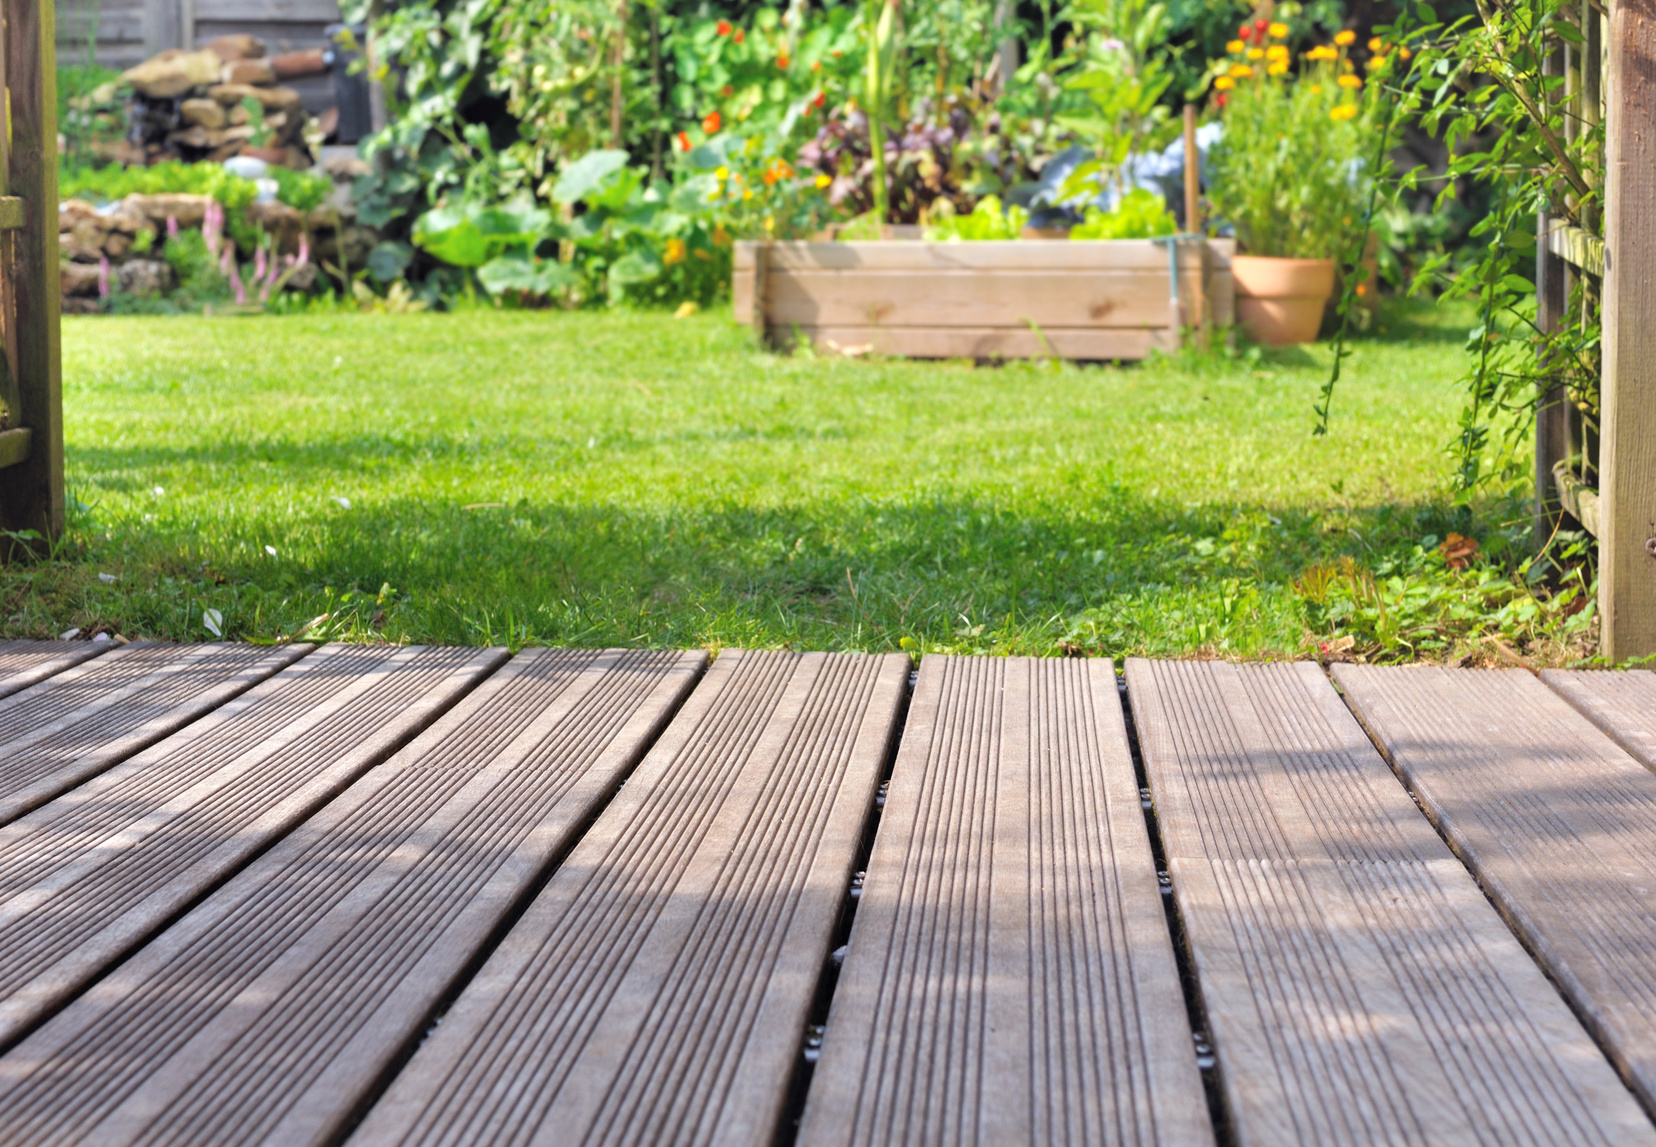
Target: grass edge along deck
25,663
1555,820
658,986
1359,986
1010,977
268,1012
132,847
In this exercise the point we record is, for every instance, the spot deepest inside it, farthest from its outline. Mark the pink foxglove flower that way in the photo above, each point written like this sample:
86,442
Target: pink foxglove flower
172,227
103,277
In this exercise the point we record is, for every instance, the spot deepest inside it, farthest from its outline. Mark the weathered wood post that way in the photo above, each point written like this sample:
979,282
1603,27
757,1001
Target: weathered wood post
31,490
1627,446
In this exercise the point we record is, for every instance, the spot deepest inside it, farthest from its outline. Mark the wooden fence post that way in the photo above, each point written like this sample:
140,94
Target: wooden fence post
31,492
1627,446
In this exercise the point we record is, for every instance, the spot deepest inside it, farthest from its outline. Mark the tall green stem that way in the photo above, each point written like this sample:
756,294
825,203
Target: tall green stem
882,62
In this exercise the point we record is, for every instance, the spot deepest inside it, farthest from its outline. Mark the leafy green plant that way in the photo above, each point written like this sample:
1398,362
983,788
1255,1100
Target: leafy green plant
988,220
1141,214
1123,74
1290,173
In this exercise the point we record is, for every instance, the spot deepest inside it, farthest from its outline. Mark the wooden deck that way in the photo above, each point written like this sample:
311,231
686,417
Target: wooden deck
444,896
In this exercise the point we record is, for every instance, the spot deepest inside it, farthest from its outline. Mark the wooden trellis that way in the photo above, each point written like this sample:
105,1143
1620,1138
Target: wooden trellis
1605,477
31,446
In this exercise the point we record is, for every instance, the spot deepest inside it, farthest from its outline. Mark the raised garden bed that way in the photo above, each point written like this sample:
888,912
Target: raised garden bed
1107,299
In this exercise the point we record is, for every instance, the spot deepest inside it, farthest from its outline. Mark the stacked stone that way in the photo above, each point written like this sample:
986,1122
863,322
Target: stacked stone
201,105
118,247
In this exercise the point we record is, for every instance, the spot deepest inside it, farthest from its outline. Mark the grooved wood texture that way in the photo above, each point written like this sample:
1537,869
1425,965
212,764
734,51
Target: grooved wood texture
657,989
1556,821
1360,988
1010,978
86,877
1621,704
25,663
268,1012
85,719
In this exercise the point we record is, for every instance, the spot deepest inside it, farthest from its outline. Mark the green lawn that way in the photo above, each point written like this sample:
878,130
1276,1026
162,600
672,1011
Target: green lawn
512,477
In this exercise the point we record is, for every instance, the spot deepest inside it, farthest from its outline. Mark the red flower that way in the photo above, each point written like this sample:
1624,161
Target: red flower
684,141
710,122
724,28
1261,26
726,91
820,97
1245,32
782,62
1222,98
740,35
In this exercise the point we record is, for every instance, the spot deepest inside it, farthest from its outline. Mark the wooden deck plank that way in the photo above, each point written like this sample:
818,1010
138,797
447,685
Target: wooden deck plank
25,663
1359,986
1621,704
1558,823
86,877
1010,978
85,719
657,989
271,1009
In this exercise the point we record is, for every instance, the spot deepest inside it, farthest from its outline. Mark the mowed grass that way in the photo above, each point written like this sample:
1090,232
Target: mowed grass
632,479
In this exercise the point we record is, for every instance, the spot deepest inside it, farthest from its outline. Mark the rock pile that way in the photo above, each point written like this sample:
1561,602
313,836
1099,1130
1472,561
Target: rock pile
226,99
121,246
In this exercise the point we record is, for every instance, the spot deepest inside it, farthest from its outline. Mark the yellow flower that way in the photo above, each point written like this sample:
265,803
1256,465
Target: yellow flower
747,195
722,173
1256,53
1224,83
1241,71
1316,89
1236,47
1278,68
1349,82
1344,111
823,181
675,252
1322,52
1374,44
1404,52
1346,38
1375,63
1276,52
1278,30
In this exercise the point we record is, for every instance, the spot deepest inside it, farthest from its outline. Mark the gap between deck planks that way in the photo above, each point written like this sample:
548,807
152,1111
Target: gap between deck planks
657,988
90,716
1010,977
1556,820
288,1022
88,876
270,1010
1360,987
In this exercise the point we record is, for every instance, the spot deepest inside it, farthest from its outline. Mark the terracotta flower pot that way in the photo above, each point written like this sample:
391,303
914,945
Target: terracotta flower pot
1280,301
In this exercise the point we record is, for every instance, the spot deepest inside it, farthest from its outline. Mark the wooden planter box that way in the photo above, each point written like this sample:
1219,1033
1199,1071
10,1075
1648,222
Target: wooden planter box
1082,299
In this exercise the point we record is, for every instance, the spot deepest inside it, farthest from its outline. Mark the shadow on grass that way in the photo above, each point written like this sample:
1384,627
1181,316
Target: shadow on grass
1119,574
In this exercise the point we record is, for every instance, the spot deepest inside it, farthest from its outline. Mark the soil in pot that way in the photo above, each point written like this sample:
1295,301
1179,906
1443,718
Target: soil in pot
1280,302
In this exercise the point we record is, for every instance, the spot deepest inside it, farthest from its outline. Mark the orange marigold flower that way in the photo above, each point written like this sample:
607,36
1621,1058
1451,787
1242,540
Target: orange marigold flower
782,61
740,35
710,122
675,252
1279,30
1351,82
723,28
1374,44
1346,38
1236,47
683,141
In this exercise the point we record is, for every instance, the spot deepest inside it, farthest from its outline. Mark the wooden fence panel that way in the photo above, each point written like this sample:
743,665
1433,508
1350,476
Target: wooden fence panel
31,490
1627,449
